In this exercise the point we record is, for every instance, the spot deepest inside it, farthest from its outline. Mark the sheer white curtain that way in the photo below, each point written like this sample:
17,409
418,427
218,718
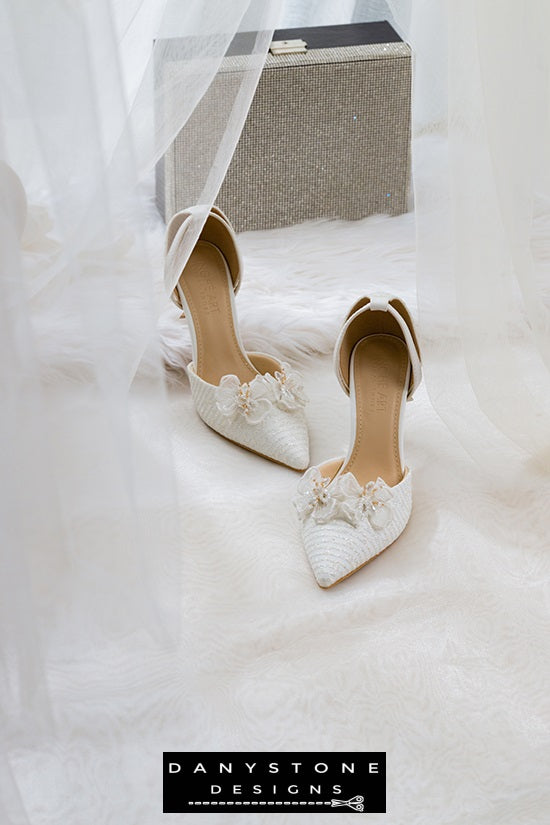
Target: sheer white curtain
327,13
90,544
481,157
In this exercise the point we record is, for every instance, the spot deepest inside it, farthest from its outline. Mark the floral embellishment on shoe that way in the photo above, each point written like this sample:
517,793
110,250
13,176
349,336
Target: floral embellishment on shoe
287,388
344,498
314,498
370,501
249,399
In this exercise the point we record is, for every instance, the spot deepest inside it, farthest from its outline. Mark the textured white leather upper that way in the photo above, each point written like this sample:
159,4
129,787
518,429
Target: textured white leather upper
271,430
336,547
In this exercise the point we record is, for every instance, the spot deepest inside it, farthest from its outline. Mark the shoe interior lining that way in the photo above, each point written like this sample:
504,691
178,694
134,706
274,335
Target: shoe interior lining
206,284
379,364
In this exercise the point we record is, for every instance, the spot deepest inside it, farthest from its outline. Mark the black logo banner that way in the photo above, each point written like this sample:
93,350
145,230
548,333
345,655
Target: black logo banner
274,782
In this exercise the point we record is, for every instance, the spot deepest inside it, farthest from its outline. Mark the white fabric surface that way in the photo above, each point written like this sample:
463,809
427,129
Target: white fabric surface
436,652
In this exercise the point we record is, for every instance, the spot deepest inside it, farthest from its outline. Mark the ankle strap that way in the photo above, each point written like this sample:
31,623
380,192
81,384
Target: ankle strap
217,229
365,318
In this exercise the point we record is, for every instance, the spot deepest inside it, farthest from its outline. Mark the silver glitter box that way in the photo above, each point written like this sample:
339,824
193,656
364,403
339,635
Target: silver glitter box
327,134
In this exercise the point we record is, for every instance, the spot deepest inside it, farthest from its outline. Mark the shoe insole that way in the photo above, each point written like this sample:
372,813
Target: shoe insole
206,285
380,369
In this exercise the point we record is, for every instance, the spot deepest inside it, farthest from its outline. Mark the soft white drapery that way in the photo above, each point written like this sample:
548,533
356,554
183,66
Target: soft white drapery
90,544
481,182
90,547
481,158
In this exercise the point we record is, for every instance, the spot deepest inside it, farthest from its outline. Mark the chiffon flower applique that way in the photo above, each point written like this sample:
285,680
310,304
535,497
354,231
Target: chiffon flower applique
249,400
370,501
314,498
287,388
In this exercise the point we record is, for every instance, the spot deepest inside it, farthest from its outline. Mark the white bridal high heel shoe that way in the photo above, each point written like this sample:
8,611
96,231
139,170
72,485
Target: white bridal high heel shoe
250,398
351,509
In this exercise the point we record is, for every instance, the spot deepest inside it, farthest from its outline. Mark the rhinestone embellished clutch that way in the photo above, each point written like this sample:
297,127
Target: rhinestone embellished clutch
327,134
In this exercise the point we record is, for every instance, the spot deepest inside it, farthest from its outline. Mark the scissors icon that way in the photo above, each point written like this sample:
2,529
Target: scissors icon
356,803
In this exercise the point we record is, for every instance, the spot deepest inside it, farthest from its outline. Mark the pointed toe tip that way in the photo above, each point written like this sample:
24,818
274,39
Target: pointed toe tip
334,551
299,461
296,453
324,581
327,577
325,572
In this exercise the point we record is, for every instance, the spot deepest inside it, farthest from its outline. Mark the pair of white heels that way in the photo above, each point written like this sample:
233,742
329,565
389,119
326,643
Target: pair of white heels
350,509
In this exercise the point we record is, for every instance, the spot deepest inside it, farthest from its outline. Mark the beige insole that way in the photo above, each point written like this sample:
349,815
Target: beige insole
380,365
206,284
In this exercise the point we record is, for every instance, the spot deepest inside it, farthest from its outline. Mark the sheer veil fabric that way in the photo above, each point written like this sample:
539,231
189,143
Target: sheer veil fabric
481,181
481,186
90,547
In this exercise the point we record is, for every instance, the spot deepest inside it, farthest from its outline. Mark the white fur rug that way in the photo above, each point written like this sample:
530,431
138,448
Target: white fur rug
435,653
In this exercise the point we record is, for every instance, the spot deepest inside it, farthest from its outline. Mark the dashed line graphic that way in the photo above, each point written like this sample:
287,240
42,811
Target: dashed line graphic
255,802
356,803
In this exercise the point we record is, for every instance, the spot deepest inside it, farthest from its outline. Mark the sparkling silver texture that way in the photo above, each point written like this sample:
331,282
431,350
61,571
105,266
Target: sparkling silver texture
327,135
